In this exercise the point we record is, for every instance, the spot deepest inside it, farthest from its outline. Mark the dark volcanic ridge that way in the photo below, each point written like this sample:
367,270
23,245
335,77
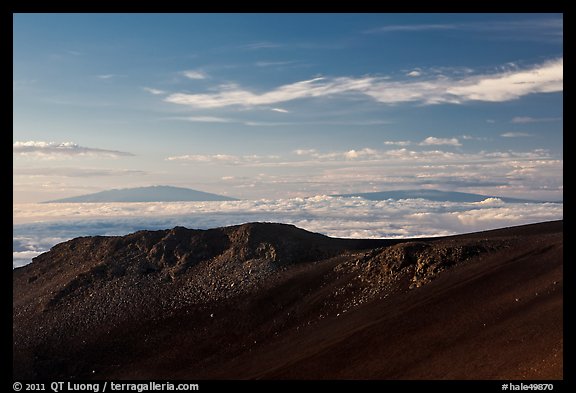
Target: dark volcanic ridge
146,194
266,300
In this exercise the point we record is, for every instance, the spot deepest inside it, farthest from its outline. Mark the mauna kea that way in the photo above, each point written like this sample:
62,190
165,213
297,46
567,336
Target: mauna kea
271,301
145,194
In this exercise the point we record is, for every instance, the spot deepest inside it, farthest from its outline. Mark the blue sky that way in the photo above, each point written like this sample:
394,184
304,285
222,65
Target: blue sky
288,105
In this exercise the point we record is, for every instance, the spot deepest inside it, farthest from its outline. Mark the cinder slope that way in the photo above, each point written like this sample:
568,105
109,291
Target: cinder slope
274,301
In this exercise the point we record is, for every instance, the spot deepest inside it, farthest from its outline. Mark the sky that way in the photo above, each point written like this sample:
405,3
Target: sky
288,105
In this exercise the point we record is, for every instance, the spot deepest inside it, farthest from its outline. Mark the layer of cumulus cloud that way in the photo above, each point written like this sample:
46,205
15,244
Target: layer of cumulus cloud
40,226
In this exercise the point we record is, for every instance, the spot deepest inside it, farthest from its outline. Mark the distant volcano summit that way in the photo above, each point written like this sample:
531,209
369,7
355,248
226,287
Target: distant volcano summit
146,194
437,196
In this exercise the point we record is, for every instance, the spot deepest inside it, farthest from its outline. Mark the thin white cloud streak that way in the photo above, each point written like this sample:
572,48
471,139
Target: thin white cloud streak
75,172
516,134
365,153
414,73
252,123
205,119
527,29
273,63
333,216
497,87
474,138
305,152
397,143
153,91
108,76
260,45
319,122
194,74
412,28
280,110
527,119
205,158
52,150
227,159
234,95
434,141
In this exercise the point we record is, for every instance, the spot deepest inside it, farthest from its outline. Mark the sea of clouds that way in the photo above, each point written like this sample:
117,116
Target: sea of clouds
38,227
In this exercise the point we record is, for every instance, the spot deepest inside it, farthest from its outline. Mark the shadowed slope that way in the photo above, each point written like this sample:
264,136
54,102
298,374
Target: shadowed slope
275,301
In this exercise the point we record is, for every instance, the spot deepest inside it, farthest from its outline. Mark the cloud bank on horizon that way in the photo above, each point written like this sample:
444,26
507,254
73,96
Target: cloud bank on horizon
39,227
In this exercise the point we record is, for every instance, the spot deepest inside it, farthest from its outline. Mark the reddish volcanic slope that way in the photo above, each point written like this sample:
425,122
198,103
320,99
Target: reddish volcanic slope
271,301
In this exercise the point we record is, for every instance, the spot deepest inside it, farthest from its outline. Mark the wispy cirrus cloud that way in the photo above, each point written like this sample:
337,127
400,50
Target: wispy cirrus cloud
274,63
226,159
474,138
153,91
528,119
416,27
434,141
260,45
397,143
279,110
500,86
516,134
305,152
346,155
75,172
205,119
260,123
51,150
546,28
109,76
194,74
